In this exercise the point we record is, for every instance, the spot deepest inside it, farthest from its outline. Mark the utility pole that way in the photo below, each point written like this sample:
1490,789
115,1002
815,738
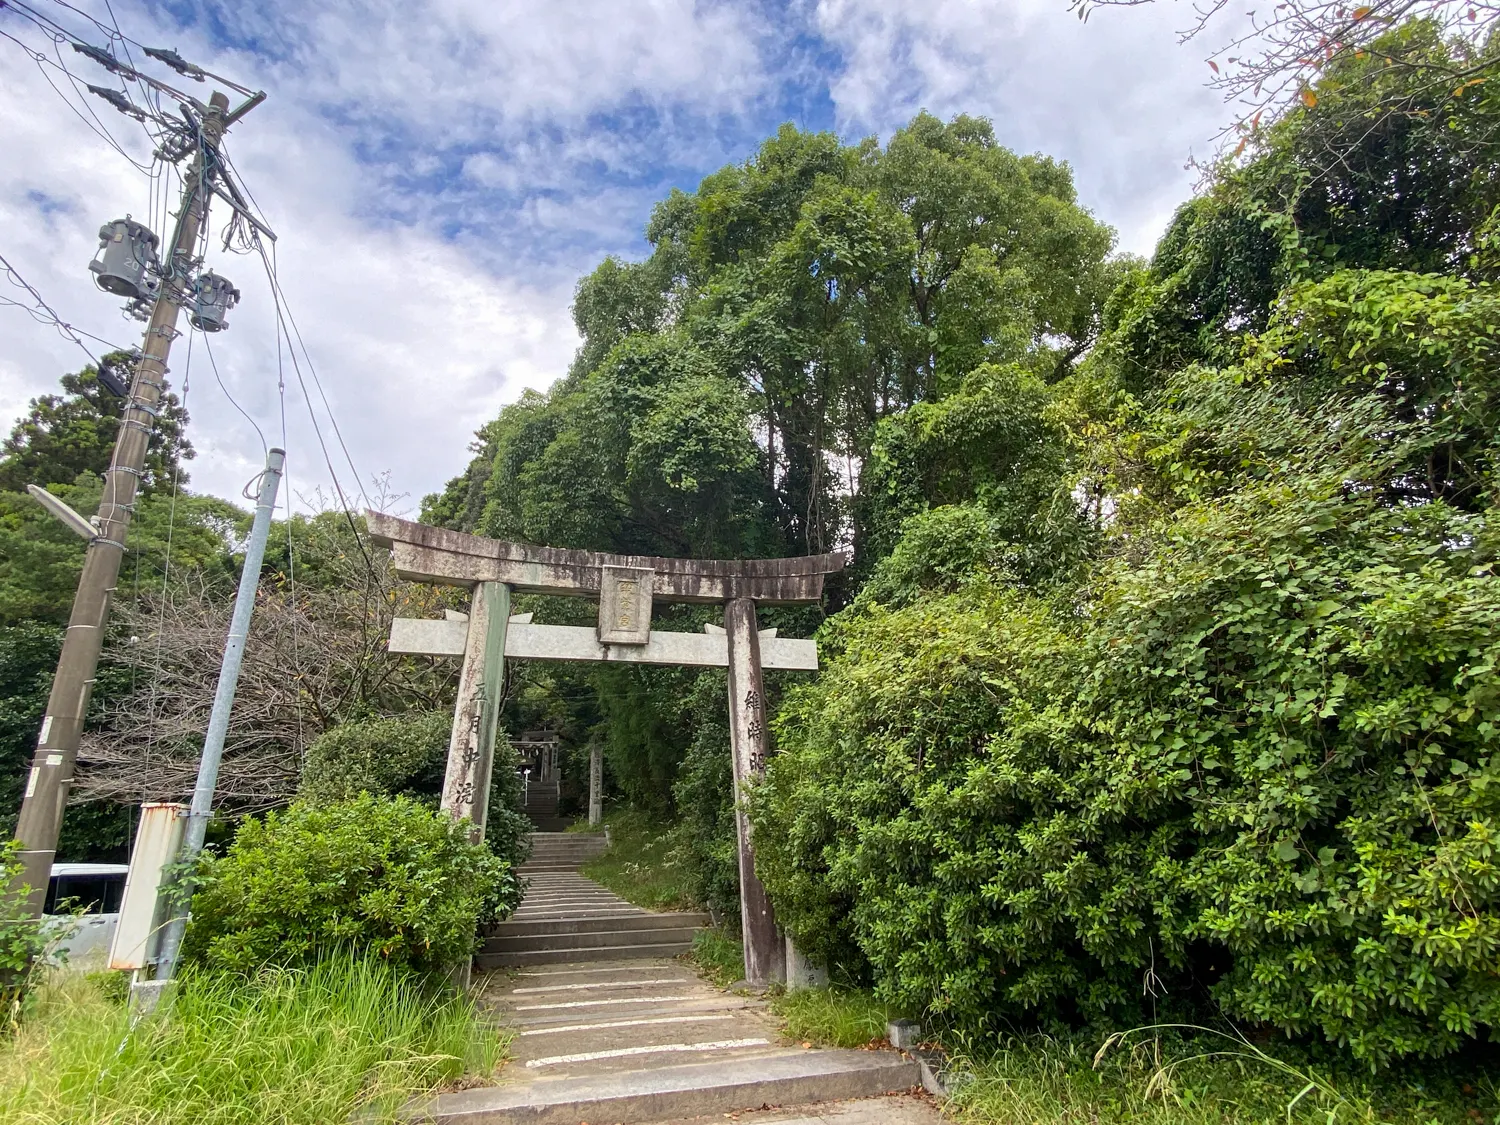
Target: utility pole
51,773
218,720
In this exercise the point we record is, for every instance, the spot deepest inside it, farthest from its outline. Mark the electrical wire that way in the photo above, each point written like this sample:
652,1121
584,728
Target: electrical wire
232,401
283,318
125,39
98,129
291,551
43,313
281,305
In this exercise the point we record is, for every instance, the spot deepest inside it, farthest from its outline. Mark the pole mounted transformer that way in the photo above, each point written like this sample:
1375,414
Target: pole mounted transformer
126,264
213,297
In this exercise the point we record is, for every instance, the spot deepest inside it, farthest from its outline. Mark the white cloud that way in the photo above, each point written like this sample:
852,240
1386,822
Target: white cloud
1117,96
440,173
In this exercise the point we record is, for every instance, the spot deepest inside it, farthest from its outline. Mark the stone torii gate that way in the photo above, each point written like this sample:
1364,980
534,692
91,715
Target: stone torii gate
626,587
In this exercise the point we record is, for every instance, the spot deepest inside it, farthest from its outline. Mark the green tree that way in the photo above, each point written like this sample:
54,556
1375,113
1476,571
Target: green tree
64,435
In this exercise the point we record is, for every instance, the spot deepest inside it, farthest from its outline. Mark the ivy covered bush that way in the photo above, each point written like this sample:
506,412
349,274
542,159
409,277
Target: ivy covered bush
380,874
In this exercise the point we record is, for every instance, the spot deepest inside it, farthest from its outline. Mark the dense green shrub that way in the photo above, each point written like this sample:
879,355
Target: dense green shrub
1267,764
372,873
403,754
21,938
705,840
406,755
1256,755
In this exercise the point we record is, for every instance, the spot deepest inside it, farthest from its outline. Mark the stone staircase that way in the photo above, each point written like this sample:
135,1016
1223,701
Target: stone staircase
649,1041
610,1026
567,917
540,806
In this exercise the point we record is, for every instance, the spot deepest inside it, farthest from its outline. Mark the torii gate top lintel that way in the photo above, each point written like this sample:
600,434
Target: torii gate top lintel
424,553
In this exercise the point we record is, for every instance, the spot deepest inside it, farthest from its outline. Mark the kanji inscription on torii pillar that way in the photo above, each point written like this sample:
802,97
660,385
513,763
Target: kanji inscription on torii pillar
627,587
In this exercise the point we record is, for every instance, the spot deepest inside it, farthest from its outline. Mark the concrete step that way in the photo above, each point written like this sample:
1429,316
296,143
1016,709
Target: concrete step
573,938
554,956
721,1086
596,924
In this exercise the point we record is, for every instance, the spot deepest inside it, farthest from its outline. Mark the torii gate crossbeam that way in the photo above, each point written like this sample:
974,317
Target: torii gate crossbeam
626,587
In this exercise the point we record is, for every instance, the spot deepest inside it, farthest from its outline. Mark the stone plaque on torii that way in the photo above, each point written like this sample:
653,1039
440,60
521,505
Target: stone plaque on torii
626,587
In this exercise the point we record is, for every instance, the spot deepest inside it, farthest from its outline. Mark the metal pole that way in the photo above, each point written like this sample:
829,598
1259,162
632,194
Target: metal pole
218,719
51,774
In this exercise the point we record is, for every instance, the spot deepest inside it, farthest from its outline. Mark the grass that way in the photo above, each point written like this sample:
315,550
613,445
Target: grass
289,1047
1166,1076
1192,1076
640,864
832,1017
719,956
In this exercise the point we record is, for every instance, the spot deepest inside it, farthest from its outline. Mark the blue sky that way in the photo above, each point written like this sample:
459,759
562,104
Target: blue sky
442,171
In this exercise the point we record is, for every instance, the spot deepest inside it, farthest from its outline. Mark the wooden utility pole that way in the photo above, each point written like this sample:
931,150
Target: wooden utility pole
51,773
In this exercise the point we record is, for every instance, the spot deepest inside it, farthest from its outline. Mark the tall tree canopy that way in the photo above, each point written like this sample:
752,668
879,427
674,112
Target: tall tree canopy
730,387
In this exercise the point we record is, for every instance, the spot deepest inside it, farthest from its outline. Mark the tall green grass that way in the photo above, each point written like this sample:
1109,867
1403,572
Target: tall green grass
1195,1076
719,956
286,1047
832,1017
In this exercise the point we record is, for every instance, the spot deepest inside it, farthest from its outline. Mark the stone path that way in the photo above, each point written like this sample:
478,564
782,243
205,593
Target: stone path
608,1029
566,917
896,1109
600,1017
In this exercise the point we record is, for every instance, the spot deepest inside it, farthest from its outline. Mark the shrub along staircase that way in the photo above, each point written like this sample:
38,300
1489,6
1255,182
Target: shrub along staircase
612,1027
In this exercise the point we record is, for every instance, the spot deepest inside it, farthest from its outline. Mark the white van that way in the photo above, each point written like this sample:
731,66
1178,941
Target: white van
83,907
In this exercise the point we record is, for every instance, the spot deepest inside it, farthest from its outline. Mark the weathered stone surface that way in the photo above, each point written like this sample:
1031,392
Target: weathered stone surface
433,554
573,642
765,953
471,746
625,594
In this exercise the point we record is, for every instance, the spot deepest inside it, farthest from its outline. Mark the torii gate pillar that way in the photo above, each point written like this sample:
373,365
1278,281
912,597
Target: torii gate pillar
765,952
476,715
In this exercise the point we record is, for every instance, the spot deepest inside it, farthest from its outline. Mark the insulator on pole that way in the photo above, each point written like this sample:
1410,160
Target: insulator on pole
119,101
176,62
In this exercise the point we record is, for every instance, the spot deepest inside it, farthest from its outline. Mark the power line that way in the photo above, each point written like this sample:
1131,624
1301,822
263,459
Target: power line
96,126
283,304
43,313
283,315
232,401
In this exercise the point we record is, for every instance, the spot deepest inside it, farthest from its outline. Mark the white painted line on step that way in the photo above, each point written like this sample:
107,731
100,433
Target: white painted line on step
625,967
601,1003
596,984
625,1052
626,1023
